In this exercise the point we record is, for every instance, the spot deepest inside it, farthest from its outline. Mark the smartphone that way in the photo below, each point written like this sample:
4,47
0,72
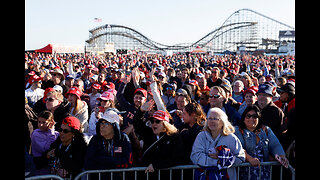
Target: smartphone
280,160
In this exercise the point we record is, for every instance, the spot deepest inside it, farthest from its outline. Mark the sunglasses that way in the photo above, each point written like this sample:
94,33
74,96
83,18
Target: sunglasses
154,120
65,131
215,96
255,116
50,99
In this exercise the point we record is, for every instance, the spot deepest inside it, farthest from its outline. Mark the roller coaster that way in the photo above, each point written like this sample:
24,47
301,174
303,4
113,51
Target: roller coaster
243,28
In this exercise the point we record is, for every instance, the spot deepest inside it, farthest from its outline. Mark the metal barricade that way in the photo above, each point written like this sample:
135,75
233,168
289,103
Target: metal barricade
135,170
49,176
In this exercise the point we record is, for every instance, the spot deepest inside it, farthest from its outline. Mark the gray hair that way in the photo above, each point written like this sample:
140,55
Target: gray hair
227,127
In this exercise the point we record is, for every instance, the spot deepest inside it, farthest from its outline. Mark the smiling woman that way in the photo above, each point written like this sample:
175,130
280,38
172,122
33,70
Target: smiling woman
68,151
259,143
211,145
165,148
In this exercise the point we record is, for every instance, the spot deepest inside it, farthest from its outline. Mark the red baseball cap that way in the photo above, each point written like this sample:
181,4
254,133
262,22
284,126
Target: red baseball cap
143,91
72,122
74,90
110,85
107,95
161,115
96,86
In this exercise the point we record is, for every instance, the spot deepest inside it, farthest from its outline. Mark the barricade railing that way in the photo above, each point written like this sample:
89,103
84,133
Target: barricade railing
49,176
135,170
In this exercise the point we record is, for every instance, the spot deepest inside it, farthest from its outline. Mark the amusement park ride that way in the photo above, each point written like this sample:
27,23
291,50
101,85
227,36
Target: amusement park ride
244,30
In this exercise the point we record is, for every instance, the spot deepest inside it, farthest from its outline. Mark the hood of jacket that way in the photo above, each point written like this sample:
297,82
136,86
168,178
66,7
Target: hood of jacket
116,130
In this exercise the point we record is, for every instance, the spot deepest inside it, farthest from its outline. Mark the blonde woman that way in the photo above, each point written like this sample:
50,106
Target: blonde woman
56,104
217,135
163,144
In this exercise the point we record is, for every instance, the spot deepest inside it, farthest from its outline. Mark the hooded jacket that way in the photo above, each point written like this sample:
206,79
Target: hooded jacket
101,156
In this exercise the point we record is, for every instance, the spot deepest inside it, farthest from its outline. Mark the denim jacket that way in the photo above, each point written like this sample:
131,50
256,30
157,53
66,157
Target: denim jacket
271,144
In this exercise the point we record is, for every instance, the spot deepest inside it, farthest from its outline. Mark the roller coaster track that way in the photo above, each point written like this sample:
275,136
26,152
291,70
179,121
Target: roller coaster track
230,25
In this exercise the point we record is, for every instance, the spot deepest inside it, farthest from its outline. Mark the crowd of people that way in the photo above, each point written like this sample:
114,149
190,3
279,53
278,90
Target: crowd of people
88,112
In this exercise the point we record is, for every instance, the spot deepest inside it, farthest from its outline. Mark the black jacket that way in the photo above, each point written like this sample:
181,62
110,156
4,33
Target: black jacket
273,116
188,137
71,158
167,152
61,112
125,105
98,156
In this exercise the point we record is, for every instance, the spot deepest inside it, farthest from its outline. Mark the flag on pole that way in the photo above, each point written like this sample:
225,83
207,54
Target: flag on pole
97,19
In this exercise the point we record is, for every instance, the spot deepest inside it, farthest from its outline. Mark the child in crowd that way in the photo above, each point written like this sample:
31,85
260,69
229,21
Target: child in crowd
41,139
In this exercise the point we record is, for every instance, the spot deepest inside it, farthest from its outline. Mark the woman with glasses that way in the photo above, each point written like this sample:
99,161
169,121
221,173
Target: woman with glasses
67,153
218,98
259,143
109,148
58,105
164,147
216,148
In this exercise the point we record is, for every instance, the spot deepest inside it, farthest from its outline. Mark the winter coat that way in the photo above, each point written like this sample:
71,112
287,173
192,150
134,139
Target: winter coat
71,157
188,137
167,152
273,117
98,156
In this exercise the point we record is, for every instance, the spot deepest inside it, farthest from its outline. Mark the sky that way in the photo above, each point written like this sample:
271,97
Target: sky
164,21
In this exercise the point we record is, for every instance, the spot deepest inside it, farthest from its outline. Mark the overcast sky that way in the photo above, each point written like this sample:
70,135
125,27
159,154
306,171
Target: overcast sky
164,21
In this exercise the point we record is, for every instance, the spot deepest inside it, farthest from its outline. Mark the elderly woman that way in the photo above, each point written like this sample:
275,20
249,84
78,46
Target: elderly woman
259,143
68,151
218,139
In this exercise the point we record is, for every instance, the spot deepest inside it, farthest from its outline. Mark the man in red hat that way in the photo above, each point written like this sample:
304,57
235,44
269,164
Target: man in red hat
139,98
34,93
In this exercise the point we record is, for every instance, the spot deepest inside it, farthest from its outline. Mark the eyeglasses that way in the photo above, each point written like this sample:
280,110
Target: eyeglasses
65,131
50,99
154,120
213,118
255,116
215,96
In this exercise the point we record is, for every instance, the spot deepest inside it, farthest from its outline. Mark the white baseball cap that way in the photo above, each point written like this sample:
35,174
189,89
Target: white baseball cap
111,116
